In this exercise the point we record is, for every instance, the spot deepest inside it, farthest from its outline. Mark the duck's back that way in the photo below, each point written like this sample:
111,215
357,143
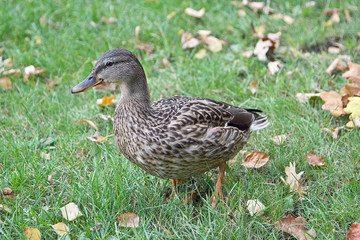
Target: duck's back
180,137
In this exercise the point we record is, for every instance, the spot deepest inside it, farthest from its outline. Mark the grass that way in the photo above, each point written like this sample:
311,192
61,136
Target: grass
103,183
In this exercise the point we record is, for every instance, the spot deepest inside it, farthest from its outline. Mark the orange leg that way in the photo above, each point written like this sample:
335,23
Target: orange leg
218,185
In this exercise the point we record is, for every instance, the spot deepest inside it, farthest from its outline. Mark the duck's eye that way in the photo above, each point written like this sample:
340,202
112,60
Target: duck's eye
108,64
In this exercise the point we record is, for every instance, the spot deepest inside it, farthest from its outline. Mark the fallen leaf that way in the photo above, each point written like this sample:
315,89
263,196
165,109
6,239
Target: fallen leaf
12,72
289,20
43,20
337,64
253,87
279,139
51,84
353,107
38,40
261,49
105,117
355,121
333,50
49,179
274,67
5,83
171,15
165,63
354,232
295,227
241,13
91,123
248,53
353,89
292,72
32,233
32,71
315,160
137,33
147,47
189,41
293,179
333,132
215,44
8,63
201,53
255,207
203,34
108,20
7,191
333,103
277,16
256,159
193,13
353,74
5,208
70,211
275,38
304,97
45,156
260,31
130,220
107,101
230,28
61,228
97,138
256,6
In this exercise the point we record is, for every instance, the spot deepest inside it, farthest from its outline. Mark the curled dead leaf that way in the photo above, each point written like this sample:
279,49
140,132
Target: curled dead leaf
355,122
333,50
353,89
61,228
353,74
70,211
105,117
274,67
32,233
333,103
5,83
32,71
337,64
97,138
194,13
354,232
295,227
91,123
189,41
215,44
256,159
12,72
315,160
253,87
293,179
279,139
248,53
130,220
255,207
261,49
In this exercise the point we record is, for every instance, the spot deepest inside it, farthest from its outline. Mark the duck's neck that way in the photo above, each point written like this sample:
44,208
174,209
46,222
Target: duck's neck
136,90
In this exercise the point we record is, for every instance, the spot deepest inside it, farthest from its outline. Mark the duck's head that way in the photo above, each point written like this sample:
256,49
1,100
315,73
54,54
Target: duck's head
115,66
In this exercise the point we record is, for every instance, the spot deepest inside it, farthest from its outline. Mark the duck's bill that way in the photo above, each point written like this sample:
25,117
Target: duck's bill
90,81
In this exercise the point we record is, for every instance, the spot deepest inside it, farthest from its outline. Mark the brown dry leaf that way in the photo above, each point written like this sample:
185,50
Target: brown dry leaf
12,72
91,123
193,13
279,139
289,20
32,233
304,97
32,71
275,38
70,211
256,6
333,50
108,20
203,34
5,208
337,64
7,191
355,121
8,63
261,49
255,207
315,160
105,117
51,84
295,227
61,228
5,83
144,46
189,41
274,67
130,220
97,138
253,87
201,53
333,132
353,74
165,63
293,179
333,103
353,89
248,53
354,232
107,101
256,159
215,44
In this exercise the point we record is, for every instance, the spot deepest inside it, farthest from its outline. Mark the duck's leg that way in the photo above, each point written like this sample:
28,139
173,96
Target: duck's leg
174,183
218,187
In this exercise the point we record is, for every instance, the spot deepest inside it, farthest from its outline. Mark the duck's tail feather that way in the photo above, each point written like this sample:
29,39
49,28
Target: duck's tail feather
260,122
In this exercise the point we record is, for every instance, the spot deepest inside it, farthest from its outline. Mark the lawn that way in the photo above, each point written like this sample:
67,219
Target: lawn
39,136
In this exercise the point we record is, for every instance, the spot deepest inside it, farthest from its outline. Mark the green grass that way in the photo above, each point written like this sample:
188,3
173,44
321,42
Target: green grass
102,182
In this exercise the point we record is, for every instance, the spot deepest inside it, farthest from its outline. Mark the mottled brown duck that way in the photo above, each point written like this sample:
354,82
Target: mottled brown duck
176,137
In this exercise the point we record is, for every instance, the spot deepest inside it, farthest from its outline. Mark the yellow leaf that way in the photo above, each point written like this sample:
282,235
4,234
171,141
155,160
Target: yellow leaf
107,101
61,228
32,233
353,107
333,103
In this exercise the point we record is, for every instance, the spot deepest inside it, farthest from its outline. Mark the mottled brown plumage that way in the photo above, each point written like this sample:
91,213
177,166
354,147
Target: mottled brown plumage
177,137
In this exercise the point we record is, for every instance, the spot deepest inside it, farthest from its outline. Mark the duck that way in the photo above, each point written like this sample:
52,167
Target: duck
173,138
